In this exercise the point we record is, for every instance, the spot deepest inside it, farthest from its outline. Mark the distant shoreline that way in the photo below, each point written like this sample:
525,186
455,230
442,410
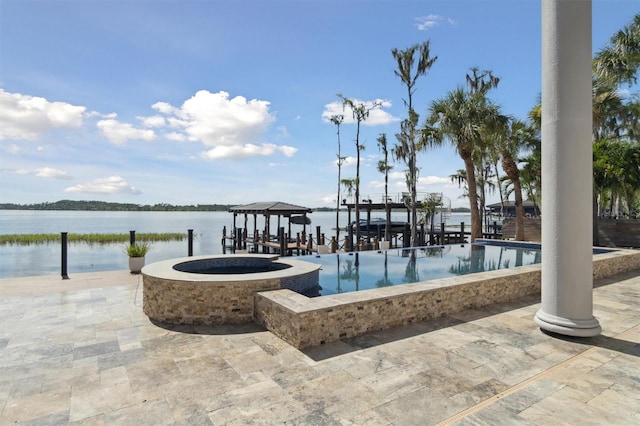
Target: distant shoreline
71,205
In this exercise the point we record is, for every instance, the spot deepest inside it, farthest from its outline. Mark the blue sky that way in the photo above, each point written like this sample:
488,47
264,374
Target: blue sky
202,102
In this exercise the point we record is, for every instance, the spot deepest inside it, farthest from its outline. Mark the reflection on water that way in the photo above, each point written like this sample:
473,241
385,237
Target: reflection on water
347,272
41,259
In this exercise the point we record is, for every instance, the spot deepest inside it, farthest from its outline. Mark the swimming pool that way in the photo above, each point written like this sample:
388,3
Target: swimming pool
347,272
308,321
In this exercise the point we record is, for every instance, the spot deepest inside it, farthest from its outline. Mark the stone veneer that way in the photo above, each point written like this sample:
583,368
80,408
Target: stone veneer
177,297
304,322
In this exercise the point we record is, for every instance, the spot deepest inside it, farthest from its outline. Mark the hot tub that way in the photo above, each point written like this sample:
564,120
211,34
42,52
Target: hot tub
219,289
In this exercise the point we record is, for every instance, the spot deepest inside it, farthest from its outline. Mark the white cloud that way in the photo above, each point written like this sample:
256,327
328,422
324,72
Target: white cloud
376,184
163,107
153,121
400,185
48,172
92,114
175,136
13,149
230,127
397,175
248,150
377,114
329,199
119,133
425,23
45,172
432,180
397,180
283,133
28,117
288,151
110,185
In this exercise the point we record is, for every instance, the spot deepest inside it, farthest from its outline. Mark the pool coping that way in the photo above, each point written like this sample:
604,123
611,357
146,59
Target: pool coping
302,321
164,269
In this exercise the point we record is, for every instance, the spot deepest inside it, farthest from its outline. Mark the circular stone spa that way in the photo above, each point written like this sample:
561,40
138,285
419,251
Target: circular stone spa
219,289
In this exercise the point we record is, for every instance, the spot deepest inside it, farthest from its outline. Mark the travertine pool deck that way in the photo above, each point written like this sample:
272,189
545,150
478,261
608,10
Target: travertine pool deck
81,351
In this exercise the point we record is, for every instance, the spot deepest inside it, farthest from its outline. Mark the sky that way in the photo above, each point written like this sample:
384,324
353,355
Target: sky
228,102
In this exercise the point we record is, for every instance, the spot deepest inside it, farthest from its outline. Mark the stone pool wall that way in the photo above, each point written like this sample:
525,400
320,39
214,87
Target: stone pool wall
615,262
176,297
304,322
229,302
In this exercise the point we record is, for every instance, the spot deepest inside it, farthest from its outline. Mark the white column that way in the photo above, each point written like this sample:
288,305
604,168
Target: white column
567,178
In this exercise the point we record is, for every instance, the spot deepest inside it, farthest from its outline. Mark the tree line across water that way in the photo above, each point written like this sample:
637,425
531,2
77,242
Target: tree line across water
110,206
128,207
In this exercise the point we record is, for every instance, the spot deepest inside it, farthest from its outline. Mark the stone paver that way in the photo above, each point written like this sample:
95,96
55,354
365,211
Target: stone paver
81,351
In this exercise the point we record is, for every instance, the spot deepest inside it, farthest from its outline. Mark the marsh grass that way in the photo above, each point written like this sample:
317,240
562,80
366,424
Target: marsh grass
27,239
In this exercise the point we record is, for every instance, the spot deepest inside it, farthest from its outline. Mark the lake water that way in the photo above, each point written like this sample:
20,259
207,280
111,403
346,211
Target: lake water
45,259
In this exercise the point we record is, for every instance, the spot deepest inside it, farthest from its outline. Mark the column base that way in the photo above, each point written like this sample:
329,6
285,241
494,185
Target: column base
567,326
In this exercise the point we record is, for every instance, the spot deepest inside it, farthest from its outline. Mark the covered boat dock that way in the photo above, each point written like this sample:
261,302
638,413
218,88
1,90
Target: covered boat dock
274,213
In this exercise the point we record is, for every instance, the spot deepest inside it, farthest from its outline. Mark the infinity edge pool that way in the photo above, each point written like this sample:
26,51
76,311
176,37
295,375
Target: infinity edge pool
303,322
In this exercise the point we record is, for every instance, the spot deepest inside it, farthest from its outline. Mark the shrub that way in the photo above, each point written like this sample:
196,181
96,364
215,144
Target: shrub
137,249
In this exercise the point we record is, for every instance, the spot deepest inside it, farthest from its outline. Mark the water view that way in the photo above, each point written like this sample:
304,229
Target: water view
44,259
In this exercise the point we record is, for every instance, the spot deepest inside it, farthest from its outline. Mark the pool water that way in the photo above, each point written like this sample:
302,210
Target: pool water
345,272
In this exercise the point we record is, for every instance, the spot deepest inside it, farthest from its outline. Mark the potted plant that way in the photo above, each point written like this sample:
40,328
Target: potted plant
136,253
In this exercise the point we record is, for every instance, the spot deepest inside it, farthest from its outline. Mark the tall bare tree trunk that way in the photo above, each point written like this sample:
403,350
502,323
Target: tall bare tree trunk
476,224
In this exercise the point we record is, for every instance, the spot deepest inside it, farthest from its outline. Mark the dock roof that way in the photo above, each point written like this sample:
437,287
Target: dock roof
271,208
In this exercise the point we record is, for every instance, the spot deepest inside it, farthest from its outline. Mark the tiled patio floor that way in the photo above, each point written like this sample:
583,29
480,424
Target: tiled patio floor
81,351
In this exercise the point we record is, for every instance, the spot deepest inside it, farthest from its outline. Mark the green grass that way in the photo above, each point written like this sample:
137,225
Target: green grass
26,239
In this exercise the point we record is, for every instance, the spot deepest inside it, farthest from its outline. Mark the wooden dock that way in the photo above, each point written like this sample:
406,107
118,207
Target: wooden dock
355,238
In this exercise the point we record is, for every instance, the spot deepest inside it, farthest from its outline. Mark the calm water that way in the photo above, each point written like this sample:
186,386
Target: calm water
44,259
342,273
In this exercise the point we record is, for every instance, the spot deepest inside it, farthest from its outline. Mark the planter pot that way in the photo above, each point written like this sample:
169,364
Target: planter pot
136,264
385,245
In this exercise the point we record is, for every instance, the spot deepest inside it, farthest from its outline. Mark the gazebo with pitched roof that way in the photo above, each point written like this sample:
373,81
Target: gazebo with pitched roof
294,214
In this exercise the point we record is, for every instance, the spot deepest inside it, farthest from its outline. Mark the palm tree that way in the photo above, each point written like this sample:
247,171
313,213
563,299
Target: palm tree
360,114
616,171
481,82
517,136
408,141
462,118
349,185
460,176
608,111
429,207
337,120
618,62
531,169
531,177
493,157
385,167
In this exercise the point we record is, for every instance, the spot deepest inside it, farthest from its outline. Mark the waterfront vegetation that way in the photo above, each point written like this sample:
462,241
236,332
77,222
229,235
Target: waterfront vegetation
27,239
137,249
